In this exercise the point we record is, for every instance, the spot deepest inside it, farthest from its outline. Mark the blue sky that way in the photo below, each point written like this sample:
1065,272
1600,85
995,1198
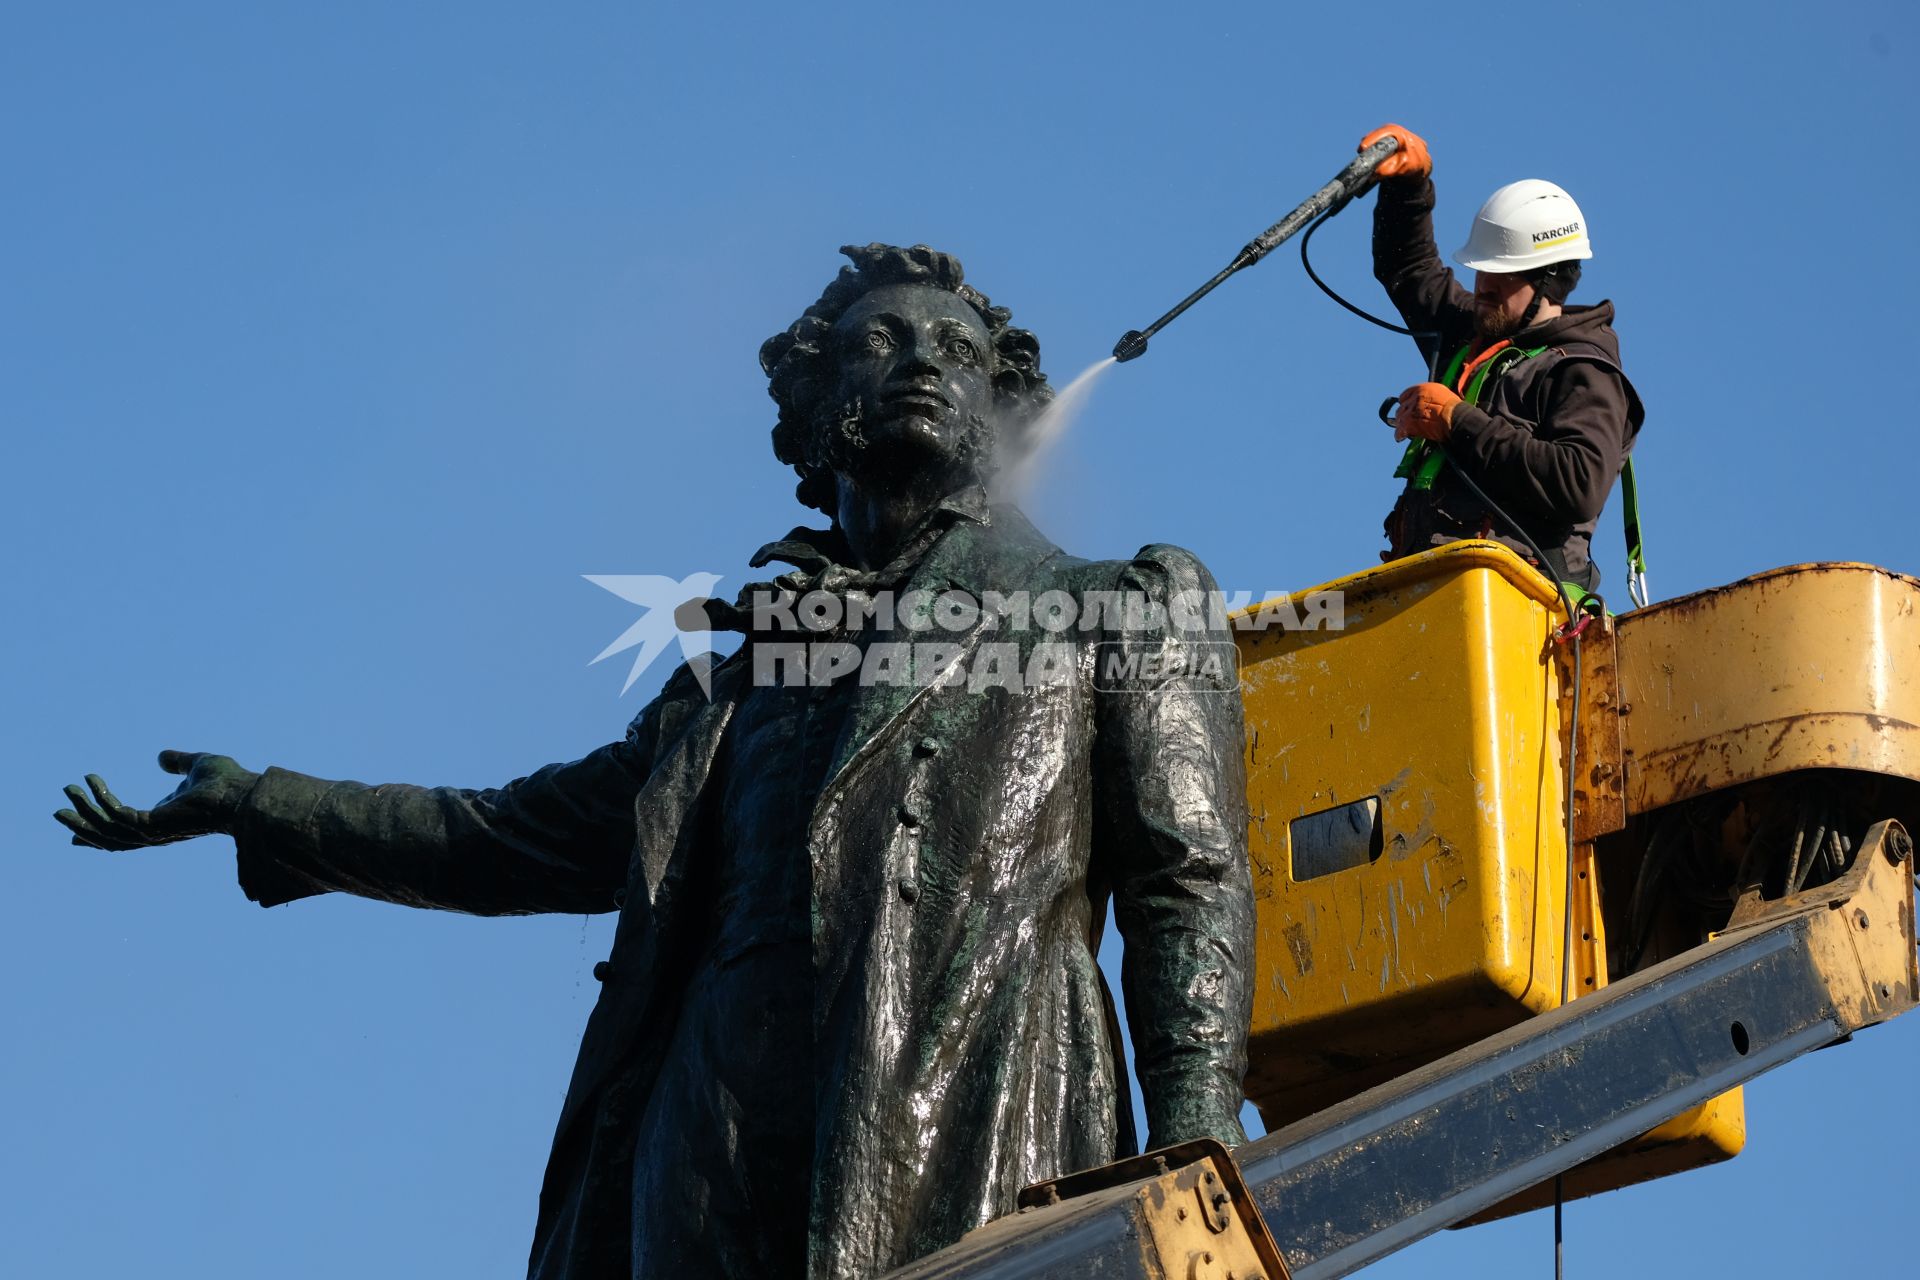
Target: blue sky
337,342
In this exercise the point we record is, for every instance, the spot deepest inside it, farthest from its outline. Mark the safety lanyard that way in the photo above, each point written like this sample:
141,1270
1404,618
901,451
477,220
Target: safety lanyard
1636,553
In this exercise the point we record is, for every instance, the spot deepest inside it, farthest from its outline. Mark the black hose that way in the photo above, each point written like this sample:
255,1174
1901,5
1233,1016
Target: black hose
1327,289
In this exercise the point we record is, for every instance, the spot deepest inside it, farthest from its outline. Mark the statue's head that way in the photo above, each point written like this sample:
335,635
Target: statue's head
901,369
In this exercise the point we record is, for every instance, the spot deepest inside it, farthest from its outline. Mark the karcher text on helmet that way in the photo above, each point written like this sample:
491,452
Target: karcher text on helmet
1523,226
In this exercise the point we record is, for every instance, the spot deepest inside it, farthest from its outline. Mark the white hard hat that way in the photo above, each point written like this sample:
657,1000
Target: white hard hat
1523,225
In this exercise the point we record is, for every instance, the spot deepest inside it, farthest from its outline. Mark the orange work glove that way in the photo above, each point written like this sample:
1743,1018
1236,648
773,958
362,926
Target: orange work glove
1426,413
1411,160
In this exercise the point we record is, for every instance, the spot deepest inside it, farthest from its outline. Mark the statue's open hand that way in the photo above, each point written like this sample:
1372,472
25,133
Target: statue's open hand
204,803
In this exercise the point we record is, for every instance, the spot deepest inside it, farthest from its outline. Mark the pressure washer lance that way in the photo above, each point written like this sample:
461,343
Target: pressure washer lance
1348,183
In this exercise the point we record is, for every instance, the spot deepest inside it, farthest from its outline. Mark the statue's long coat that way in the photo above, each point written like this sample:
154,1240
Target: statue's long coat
964,845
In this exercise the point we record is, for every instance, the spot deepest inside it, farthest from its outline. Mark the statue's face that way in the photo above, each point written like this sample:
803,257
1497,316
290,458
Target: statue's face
916,361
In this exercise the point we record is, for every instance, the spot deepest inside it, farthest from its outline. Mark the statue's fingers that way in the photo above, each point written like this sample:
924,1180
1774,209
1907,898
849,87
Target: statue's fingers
103,844
111,805
83,806
73,822
179,761
86,835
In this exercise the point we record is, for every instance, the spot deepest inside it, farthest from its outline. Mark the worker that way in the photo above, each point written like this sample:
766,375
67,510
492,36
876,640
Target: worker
1527,396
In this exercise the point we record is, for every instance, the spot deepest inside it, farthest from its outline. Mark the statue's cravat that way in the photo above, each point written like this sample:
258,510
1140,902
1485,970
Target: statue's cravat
819,558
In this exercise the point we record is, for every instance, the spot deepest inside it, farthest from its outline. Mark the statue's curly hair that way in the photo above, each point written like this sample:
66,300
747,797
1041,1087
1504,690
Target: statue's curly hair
801,374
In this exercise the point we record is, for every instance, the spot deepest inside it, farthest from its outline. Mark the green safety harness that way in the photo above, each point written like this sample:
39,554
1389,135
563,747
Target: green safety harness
1423,461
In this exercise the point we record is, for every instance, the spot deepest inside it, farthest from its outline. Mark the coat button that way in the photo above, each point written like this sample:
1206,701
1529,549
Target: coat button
927,747
909,889
910,815
602,971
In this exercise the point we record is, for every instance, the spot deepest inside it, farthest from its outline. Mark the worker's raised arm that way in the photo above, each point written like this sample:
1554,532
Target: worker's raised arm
1170,836
1406,261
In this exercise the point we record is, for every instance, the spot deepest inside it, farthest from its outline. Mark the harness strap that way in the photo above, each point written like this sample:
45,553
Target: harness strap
1479,368
1423,460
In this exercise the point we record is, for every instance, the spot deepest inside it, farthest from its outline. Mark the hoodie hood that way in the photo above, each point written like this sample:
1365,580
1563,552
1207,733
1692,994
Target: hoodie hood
1591,326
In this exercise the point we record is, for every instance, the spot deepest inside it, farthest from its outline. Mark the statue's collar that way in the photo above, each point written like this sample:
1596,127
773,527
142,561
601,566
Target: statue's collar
815,551
969,503
965,542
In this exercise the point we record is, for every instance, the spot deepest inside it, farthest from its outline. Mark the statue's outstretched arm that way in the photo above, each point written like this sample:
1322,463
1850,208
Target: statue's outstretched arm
558,840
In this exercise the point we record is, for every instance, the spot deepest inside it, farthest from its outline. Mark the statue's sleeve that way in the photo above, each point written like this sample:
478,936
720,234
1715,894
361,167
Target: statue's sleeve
1170,779
557,840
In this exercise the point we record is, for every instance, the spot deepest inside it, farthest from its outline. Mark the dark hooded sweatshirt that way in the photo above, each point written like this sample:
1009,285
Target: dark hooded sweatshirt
1552,432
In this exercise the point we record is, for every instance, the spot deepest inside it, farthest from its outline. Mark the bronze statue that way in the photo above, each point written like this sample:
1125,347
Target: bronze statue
852,1004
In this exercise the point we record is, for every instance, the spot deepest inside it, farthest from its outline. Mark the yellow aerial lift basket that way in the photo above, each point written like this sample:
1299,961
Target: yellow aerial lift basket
1406,783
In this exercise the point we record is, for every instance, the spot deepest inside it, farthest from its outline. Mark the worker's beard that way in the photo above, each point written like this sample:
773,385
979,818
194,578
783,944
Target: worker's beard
1494,327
